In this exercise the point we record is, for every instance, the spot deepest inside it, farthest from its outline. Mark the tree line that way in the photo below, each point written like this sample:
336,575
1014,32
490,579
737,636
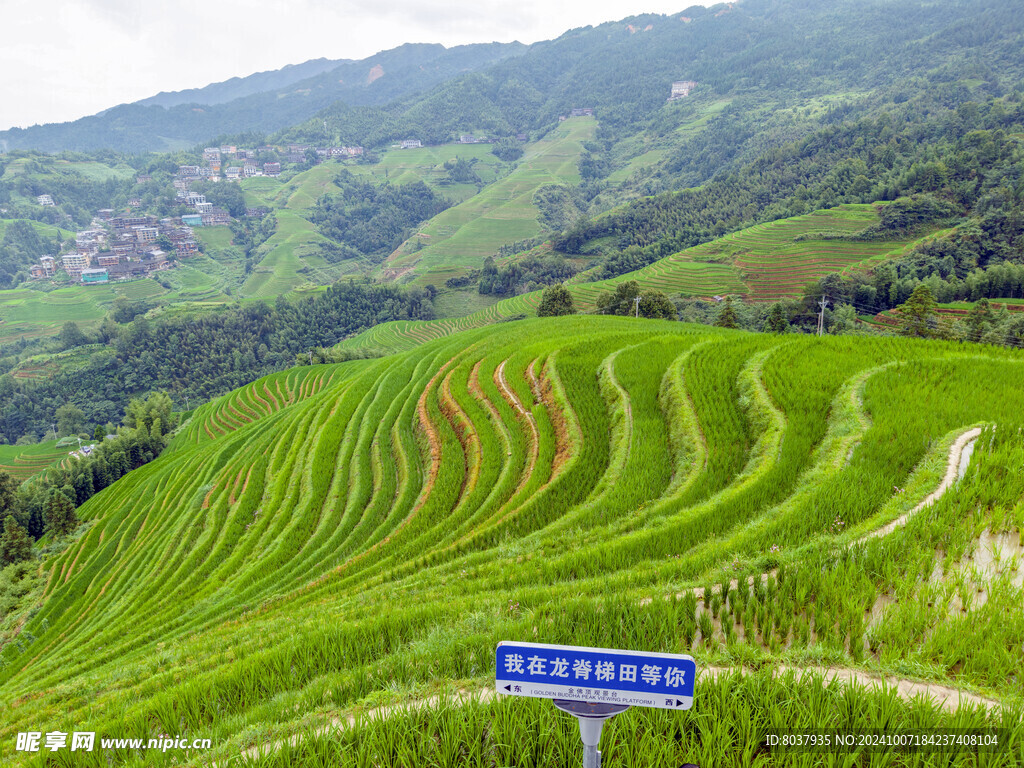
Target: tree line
199,356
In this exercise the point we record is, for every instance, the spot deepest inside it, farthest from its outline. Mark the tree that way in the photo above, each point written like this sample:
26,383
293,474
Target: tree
70,419
620,301
655,305
99,433
15,543
60,514
8,497
507,149
727,316
776,322
979,320
918,313
556,301
71,336
155,410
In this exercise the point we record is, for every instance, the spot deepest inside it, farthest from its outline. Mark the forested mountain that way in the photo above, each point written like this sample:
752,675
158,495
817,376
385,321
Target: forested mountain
146,127
764,54
240,87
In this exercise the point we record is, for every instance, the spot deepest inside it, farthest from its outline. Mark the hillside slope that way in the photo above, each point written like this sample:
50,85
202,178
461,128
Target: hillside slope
763,263
550,480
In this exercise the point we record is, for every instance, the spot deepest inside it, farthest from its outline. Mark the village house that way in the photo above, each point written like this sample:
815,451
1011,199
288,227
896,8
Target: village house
271,169
582,112
188,171
45,200
49,265
108,259
233,173
37,271
95,276
681,89
216,217
412,144
146,234
142,178
74,263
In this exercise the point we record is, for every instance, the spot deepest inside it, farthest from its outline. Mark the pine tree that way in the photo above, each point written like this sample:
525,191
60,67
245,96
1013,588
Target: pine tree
15,543
60,514
727,317
776,321
918,313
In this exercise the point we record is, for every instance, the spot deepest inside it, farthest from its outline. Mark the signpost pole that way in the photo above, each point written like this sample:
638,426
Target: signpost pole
590,735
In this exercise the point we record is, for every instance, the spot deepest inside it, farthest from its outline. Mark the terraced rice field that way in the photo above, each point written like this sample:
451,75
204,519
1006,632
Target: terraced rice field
775,265
959,310
762,263
461,237
23,461
253,402
319,568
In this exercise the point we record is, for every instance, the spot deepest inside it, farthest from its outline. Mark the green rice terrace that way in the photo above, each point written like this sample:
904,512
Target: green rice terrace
23,461
318,569
762,263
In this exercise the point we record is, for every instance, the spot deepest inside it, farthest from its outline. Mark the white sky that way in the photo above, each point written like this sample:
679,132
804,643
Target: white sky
64,59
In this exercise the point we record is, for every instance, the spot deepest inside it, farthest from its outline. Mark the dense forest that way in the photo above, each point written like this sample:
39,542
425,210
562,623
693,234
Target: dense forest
21,245
200,357
370,220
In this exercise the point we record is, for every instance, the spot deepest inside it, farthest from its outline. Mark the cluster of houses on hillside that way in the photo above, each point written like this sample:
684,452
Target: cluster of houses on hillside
119,248
233,163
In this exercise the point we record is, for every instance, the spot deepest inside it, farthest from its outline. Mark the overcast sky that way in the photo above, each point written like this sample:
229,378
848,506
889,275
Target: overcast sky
64,59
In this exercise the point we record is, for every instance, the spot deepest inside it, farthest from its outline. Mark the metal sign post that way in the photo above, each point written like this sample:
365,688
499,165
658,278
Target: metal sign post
594,684
591,717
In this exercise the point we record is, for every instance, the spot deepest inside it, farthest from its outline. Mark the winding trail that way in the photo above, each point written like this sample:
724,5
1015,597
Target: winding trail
956,466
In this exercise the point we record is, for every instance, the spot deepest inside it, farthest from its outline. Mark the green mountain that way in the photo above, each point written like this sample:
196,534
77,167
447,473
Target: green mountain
240,87
354,539
277,102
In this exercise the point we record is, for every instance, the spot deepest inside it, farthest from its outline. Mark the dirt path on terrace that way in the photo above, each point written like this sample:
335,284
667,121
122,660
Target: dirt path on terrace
956,465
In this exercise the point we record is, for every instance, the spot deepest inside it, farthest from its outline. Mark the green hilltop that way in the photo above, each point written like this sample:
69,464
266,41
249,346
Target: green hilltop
351,539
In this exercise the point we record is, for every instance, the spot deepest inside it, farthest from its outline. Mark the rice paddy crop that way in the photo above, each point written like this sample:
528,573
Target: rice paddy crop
317,570
764,263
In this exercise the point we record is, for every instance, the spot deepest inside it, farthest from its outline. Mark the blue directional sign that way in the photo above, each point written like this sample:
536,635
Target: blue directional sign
632,678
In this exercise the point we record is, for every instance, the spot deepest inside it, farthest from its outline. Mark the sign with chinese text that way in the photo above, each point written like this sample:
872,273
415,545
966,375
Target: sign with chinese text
635,679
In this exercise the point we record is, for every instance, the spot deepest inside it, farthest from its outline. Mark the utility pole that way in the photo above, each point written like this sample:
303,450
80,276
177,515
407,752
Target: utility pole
186,402
54,431
311,357
636,300
821,315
